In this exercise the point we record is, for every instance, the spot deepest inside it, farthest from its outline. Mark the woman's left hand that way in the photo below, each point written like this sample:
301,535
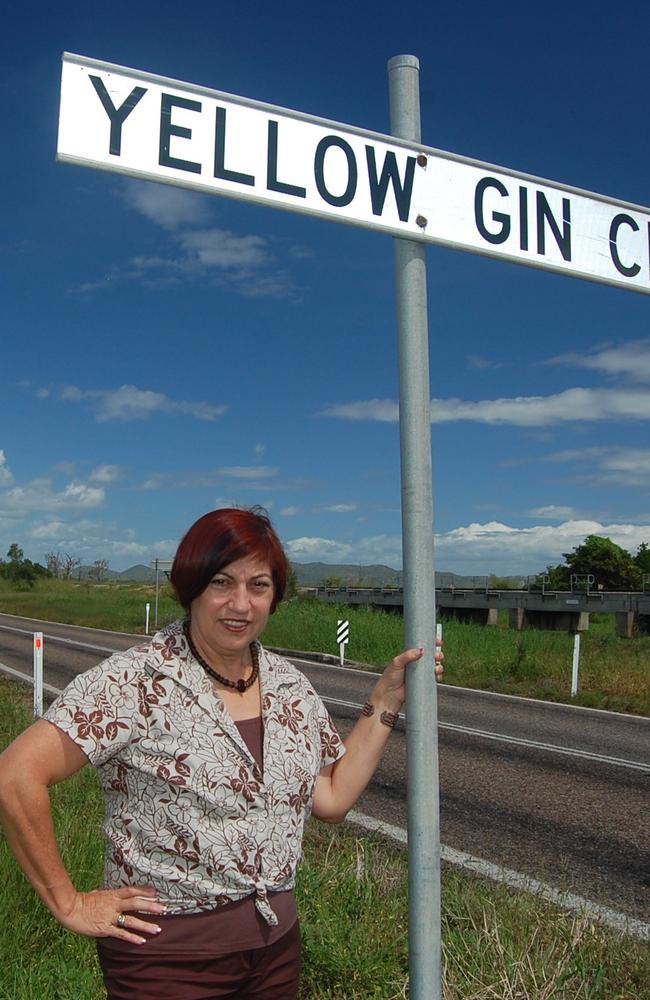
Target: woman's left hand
391,688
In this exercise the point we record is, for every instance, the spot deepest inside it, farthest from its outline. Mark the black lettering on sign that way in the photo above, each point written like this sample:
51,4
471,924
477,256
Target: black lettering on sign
319,171
167,130
618,221
220,169
523,218
544,214
390,174
272,182
117,116
504,220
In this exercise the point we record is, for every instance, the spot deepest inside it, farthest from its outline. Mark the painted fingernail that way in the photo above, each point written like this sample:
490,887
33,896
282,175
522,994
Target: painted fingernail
141,941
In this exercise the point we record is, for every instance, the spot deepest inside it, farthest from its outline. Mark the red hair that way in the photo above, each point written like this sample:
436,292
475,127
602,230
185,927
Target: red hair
220,538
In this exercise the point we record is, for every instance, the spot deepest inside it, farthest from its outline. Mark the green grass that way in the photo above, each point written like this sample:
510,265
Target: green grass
497,944
614,672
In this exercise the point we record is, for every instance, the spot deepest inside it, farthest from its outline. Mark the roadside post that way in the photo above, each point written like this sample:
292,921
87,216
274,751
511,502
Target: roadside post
419,581
575,674
147,609
38,674
342,637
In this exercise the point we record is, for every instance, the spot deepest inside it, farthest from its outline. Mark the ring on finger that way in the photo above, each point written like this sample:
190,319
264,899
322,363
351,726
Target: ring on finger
120,920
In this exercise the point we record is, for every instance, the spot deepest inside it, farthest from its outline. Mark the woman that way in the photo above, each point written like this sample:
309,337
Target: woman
211,752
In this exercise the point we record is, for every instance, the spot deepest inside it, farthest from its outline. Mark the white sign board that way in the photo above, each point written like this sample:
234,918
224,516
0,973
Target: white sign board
148,126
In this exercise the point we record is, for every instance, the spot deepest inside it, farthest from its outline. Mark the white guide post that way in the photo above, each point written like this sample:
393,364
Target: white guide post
38,674
575,677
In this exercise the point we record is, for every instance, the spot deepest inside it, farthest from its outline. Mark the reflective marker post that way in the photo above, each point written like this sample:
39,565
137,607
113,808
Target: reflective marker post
38,674
342,637
419,584
575,670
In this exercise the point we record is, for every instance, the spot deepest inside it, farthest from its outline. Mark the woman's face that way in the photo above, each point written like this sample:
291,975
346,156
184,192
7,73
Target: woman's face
234,608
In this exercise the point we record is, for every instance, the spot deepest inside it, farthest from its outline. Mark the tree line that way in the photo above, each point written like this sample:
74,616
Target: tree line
23,573
611,566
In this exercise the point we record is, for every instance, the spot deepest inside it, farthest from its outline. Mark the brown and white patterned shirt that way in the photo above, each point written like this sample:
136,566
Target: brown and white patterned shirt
188,810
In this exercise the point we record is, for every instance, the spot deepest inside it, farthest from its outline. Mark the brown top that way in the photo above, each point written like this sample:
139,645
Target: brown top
189,811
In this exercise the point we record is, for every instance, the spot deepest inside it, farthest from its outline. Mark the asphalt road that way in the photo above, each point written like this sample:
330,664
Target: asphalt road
554,792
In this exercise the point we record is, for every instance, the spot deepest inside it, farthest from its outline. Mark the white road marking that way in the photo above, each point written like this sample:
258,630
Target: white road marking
516,740
565,900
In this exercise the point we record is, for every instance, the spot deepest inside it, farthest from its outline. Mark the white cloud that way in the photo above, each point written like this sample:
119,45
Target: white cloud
130,403
106,474
38,495
476,549
630,360
499,548
223,249
169,207
385,410
248,471
49,530
6,477
482,364
156,482
522,411
259,449
194,250
316,549
609,466
552,512
90,540
290,511
340,508
381,549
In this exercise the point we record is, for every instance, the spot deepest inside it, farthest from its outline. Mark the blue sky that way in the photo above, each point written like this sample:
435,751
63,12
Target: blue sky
165,352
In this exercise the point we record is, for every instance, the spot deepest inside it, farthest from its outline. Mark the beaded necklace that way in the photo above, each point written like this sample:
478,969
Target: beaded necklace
240,685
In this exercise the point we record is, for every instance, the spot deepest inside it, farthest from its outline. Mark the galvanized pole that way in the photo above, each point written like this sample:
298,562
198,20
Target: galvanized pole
419,583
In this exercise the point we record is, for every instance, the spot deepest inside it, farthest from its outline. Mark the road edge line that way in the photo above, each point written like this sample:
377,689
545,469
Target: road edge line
516,880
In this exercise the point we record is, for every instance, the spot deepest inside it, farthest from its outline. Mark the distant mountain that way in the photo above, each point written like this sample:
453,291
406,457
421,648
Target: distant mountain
315,574
140,574
136,574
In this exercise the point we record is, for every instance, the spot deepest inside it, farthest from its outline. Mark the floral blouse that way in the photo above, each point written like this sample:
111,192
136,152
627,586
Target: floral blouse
188,810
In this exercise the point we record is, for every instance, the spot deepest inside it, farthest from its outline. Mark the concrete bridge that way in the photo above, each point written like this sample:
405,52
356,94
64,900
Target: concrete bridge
543,609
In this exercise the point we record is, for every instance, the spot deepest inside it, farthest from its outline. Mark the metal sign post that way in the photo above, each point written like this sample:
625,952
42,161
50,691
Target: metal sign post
419,587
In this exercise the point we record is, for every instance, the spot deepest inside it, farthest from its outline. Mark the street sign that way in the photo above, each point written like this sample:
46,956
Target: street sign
147,126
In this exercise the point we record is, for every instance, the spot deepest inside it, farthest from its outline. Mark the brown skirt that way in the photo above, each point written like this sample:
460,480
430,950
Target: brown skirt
271,972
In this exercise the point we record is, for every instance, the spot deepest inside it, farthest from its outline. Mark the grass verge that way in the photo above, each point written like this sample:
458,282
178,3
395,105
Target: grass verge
352,897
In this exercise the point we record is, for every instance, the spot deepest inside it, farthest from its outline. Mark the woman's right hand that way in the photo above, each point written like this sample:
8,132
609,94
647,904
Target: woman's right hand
95,913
